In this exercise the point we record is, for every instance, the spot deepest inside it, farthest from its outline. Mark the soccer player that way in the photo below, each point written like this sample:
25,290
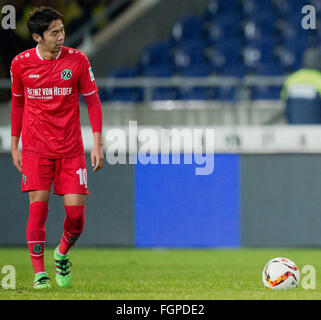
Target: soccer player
46,83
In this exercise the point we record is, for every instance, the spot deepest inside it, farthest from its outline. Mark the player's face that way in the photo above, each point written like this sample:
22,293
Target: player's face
54,37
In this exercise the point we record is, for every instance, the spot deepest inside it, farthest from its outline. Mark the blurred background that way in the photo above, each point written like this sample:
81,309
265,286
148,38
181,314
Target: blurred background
246,68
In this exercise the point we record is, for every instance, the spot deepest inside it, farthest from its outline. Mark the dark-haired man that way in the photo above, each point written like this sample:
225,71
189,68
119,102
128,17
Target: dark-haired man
46,83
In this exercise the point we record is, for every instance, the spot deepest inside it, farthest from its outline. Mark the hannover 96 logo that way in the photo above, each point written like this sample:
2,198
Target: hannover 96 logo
66,74
37,248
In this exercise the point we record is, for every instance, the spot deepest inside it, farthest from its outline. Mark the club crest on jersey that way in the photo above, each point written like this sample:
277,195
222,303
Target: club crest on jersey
66,74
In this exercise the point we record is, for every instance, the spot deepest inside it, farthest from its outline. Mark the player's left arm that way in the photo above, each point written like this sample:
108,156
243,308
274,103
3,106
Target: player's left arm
88,88
95,118
97,154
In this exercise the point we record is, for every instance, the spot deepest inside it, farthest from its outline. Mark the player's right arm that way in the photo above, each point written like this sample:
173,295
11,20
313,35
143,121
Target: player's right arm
17,109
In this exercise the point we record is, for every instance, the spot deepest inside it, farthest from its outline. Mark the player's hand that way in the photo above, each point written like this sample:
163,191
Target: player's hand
97,158
17,159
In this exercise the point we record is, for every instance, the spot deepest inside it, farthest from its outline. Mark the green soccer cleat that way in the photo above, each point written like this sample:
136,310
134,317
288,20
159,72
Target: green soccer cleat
63,274
41,281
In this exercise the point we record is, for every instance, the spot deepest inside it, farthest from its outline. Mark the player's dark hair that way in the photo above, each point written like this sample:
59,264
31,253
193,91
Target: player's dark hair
40,19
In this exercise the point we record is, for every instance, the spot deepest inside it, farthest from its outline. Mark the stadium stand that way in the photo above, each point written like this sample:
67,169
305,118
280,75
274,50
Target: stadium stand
231,38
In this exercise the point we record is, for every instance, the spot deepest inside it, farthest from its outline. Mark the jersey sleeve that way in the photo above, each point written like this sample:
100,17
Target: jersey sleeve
16,83
94,112
87,84
17,105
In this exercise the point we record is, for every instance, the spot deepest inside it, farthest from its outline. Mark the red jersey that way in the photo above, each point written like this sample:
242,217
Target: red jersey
51,125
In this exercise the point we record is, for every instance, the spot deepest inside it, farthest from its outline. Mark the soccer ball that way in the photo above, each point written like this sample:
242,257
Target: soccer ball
281,273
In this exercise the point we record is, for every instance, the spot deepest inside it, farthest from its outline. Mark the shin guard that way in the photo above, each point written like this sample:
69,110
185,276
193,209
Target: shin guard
36,234
73,227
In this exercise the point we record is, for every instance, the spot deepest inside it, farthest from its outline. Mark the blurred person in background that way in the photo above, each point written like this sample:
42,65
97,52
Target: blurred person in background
301,91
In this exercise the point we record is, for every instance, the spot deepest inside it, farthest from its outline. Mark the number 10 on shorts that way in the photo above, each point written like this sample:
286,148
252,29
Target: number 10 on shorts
82,173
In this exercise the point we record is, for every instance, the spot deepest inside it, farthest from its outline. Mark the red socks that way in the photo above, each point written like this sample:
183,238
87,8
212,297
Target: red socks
36,231
36,234
73,227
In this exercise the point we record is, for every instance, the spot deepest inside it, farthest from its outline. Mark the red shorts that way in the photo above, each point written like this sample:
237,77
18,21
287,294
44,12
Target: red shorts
68,174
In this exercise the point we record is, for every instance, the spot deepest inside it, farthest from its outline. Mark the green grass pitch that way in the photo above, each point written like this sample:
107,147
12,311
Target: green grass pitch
160,274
